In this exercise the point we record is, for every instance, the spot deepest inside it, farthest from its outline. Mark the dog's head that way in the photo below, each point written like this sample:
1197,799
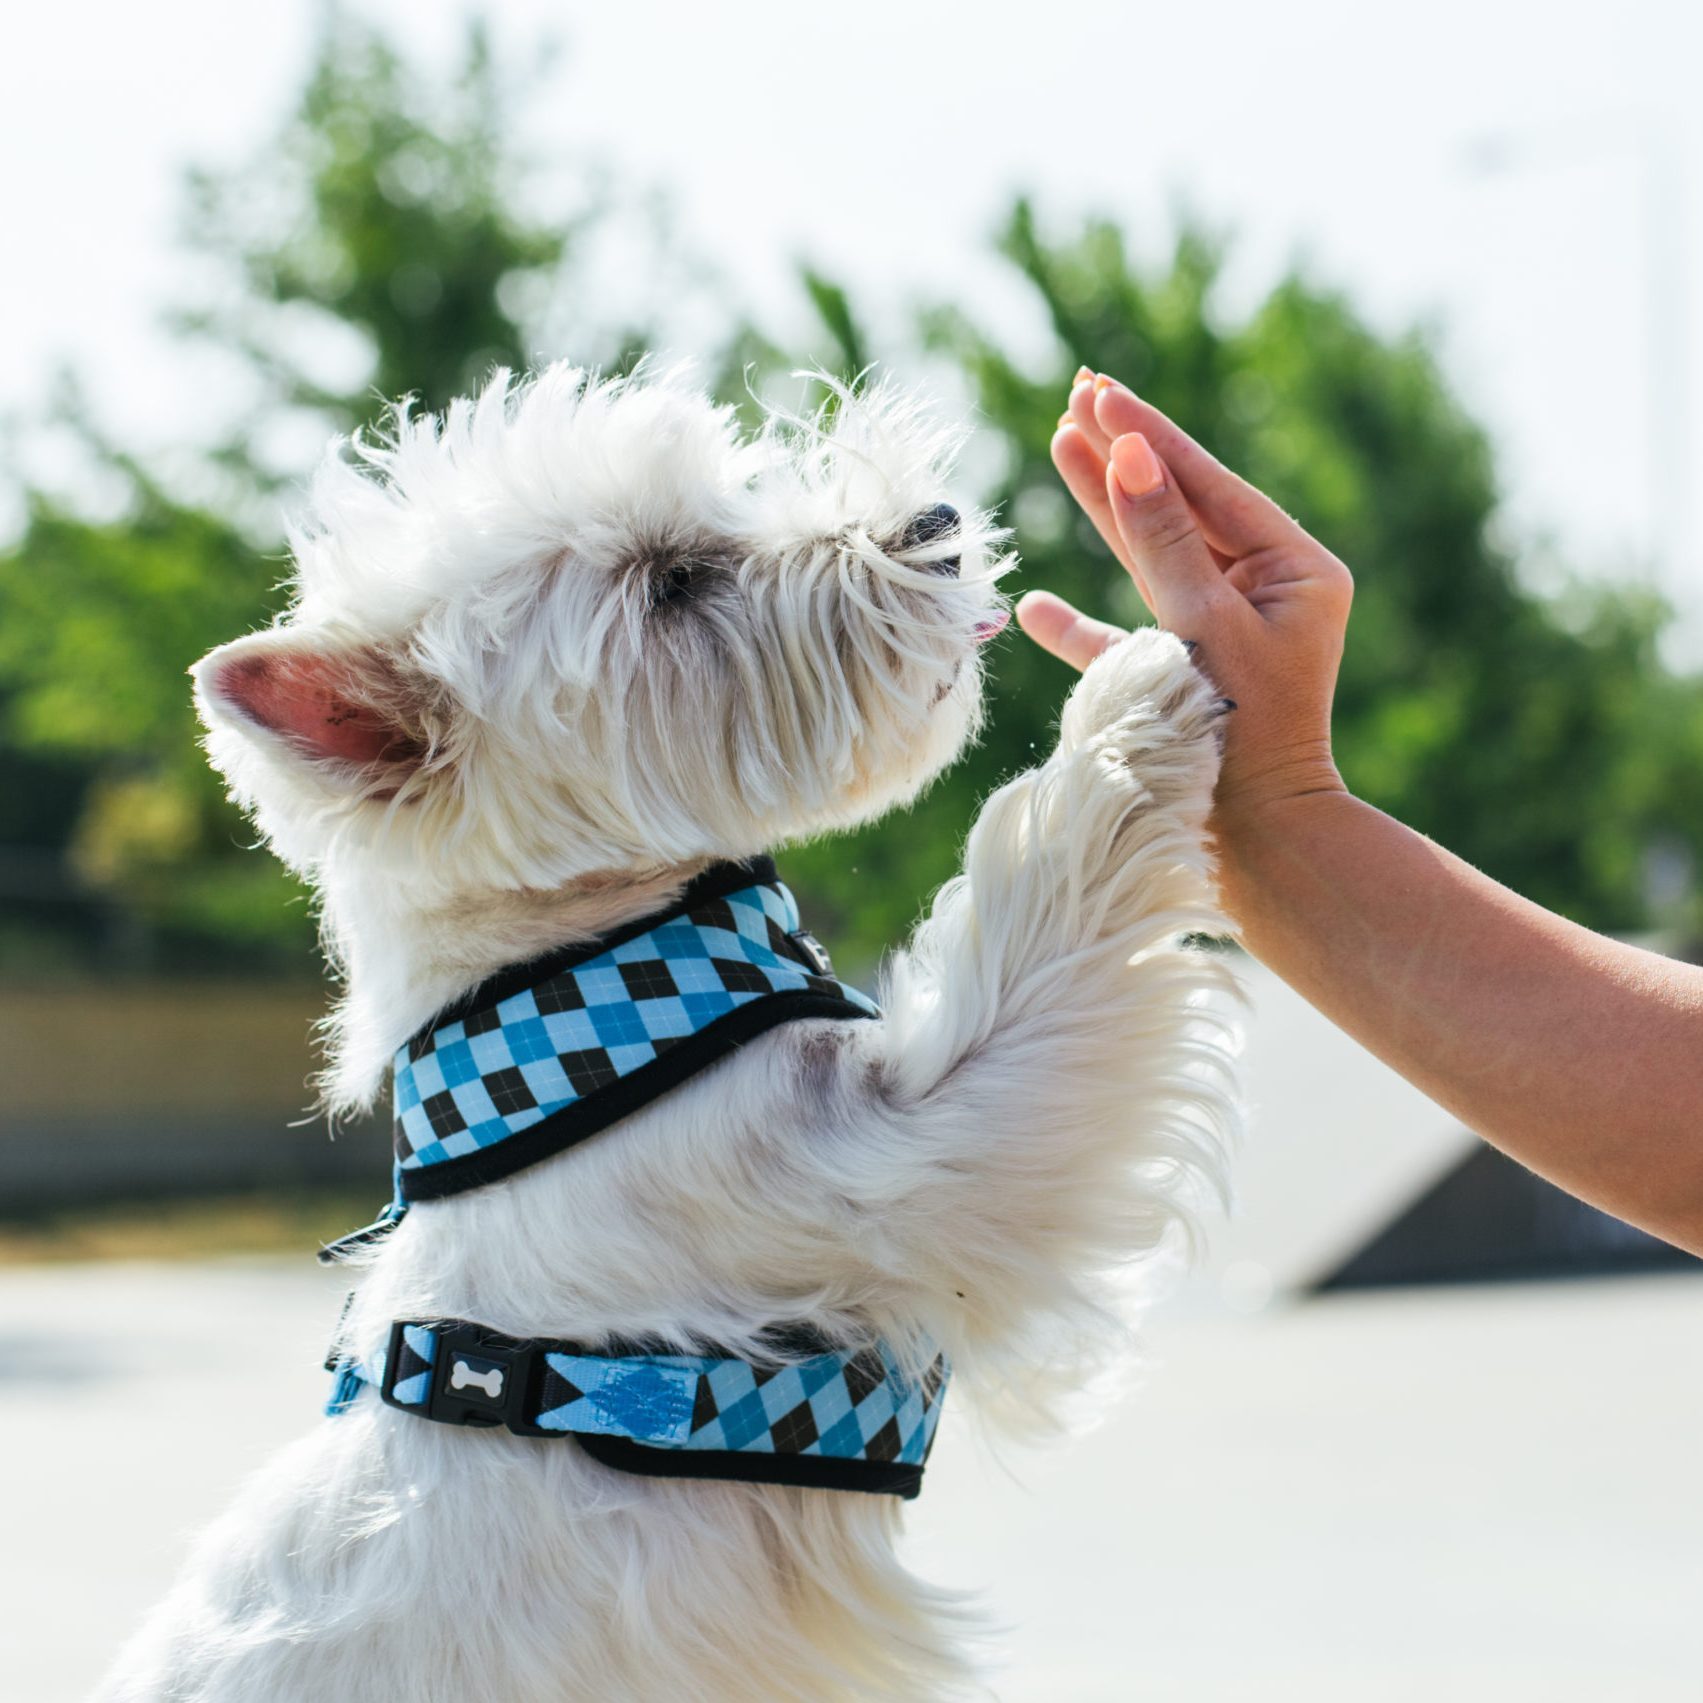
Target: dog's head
585,626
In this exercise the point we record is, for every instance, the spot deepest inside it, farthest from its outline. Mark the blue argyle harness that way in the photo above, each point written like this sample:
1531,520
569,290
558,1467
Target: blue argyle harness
549,1053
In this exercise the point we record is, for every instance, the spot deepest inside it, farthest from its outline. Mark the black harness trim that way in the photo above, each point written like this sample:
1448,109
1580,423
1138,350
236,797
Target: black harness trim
544,1055
612,1025
586,1118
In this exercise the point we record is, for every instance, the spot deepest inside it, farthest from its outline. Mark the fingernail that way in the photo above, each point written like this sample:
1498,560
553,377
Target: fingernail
1135,464
1101,382
1083,375
1064,420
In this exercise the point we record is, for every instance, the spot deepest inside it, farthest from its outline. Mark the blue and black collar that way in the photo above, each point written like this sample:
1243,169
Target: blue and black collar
549,1052
821,1414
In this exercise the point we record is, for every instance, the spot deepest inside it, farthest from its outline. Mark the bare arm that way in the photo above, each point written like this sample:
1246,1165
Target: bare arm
1579,1056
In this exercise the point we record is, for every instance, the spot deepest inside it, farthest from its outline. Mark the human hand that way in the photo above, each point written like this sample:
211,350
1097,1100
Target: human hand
1220,564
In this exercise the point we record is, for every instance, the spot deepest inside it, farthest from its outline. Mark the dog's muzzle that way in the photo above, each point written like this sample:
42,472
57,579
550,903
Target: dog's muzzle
929,527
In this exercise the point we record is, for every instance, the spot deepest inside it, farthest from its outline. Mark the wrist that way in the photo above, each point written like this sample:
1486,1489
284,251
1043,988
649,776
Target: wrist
1260,819
1253,786
1266,838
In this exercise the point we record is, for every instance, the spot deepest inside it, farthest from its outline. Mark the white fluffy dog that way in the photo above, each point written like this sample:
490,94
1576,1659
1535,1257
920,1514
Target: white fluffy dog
549,658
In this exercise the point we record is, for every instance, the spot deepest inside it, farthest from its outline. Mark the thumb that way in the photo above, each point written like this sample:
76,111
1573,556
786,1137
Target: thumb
1159,531
1069,634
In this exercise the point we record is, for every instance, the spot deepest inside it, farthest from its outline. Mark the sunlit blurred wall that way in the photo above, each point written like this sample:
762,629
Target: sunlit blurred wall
157,1089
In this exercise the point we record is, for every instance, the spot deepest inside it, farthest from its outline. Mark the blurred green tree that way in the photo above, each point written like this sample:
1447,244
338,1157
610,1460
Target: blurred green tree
98,620
1538,736
382,222
378,245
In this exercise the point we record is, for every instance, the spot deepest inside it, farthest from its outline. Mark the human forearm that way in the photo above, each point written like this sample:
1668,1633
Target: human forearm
1578,1055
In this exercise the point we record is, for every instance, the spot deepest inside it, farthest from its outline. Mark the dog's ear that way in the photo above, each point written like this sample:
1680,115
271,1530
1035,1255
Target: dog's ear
331,705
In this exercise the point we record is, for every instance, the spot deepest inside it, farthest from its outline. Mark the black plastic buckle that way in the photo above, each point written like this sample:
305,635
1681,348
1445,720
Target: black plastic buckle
814,952
479,1377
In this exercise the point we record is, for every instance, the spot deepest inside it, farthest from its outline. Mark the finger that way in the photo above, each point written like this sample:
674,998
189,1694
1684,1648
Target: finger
1081,411
1069,634
1160,534
1084,400
1234,516
1084,475
1083,470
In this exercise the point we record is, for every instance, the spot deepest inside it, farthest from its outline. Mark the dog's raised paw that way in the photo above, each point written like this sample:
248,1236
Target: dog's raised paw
1147,676
1144,699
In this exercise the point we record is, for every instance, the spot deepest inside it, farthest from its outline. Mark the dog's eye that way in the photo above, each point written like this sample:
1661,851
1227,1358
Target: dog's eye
673,582
683,570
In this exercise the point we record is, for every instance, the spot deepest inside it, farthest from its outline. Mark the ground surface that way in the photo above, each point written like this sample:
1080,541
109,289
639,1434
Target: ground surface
1472,1494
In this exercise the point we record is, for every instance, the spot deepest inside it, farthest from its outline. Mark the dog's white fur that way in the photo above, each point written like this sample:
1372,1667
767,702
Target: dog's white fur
1040,1102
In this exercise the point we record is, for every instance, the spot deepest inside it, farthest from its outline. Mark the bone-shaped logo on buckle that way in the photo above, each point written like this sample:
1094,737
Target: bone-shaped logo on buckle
461,1376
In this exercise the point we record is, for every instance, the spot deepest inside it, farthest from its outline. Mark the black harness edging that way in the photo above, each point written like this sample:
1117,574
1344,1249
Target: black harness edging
547,1053
544,1055
827,1417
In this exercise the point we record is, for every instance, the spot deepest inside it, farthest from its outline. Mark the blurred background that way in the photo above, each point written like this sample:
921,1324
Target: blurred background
1429,279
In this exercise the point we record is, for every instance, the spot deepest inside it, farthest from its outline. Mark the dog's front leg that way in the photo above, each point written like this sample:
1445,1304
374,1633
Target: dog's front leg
1046,1082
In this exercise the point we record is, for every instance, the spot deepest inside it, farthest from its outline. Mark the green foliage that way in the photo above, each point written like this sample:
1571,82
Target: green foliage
99,621
1542,741
1539,737
385,210
833,307
387,207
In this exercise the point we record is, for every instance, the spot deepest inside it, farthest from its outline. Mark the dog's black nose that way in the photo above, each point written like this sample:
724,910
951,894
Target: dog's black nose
929,527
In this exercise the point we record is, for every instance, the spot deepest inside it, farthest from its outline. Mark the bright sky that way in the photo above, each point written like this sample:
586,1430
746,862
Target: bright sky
884,138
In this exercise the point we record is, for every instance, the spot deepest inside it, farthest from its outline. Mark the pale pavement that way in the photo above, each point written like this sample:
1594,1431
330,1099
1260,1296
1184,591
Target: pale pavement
1469,1494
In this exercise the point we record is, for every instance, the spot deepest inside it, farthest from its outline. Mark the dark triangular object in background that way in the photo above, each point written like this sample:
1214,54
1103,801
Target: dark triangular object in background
1491,1219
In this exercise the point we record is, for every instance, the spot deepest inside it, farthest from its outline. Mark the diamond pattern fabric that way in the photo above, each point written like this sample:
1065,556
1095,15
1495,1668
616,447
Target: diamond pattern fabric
849,1405
543,1053
843,1404
549,1052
